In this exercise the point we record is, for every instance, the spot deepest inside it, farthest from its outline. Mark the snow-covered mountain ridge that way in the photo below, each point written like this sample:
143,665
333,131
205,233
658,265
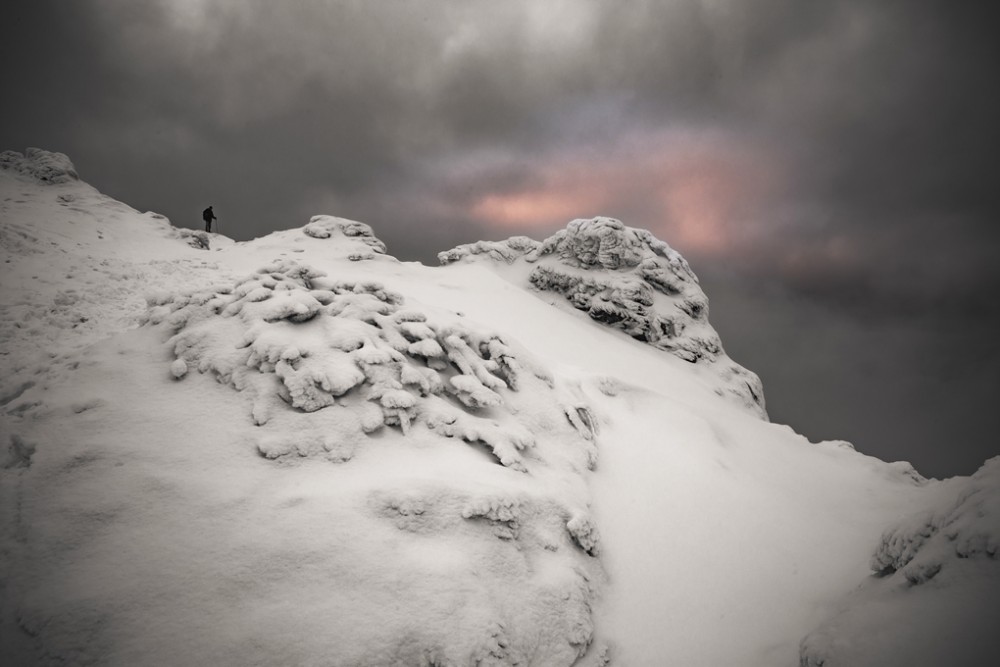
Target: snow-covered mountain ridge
299,450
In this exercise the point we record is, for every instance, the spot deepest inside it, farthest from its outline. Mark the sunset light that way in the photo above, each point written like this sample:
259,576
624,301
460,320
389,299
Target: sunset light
702,192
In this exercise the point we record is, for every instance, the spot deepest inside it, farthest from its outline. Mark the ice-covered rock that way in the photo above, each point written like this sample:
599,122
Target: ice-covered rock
506,251
932,597
968,528
328,226
628,279
40,165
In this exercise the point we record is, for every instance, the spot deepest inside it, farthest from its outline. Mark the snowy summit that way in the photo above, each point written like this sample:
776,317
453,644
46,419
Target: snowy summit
298,450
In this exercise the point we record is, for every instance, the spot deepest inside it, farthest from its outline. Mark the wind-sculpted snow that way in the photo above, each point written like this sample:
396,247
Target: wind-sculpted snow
328,226
328,364
524,532
40,165
936,584
628,279
291,336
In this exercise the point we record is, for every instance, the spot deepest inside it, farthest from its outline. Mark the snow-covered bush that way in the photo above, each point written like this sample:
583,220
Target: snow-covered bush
294,338
41,165
195,238
628,279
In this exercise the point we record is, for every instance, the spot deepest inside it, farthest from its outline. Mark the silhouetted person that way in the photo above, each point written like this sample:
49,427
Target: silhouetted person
208,216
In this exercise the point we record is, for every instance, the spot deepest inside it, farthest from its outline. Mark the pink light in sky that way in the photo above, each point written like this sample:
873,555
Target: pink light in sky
702,192
539,207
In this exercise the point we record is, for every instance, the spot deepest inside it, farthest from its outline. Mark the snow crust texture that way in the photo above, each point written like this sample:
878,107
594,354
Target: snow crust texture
40,165
76,265
627,279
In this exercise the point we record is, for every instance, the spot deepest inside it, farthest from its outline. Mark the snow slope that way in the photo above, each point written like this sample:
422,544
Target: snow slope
298,450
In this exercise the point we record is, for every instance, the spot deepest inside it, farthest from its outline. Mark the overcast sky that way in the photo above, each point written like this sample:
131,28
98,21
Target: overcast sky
828,168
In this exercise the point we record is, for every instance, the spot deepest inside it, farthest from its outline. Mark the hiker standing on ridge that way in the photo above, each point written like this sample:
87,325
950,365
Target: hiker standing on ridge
208,216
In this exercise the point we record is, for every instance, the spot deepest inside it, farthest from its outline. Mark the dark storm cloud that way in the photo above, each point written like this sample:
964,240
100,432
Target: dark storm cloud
844,151
900,389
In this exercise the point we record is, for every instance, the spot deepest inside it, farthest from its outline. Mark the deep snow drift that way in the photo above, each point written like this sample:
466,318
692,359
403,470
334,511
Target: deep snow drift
298,450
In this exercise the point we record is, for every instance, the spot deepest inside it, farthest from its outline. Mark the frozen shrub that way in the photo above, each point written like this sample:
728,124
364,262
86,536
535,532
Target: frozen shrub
505,441
194,238
41,165
292,334
473,393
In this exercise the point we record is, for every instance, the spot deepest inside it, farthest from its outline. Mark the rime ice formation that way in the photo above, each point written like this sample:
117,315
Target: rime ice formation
946,556
327,226
628,279
299,450
290,335
968,527
40,165
507,251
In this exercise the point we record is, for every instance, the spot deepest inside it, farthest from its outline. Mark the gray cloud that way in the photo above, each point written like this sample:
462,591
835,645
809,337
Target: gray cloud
842,150
916,389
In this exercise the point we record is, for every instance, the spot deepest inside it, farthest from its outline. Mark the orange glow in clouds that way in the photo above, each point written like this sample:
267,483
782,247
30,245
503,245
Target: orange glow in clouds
538,208
695,210
699,193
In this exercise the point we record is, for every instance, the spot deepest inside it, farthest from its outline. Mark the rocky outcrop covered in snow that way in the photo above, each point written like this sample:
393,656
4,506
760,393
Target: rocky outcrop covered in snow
40,165
968,527
330,227
934,587
628,279
505,251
